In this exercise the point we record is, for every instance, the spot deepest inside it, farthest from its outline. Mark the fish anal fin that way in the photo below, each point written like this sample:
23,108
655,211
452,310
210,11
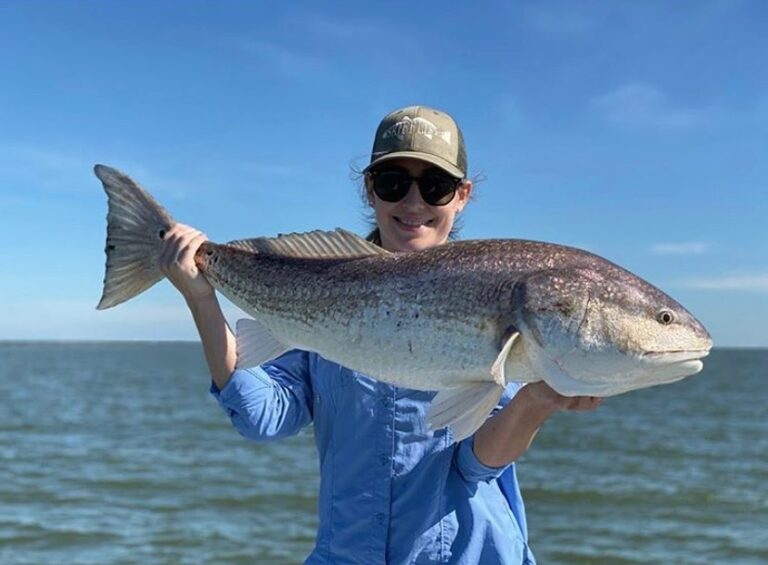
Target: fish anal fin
336,244
255,345
464,408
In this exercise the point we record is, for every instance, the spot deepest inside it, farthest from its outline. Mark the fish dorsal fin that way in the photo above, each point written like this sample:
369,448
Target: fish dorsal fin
316,244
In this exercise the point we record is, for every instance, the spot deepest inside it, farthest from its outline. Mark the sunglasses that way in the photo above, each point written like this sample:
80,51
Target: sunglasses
436,188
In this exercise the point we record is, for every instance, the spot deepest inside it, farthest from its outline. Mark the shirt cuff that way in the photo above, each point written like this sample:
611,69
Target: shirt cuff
239,385
471,468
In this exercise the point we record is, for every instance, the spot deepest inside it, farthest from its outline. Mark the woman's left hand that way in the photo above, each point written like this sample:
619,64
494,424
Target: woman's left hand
544,395
504,437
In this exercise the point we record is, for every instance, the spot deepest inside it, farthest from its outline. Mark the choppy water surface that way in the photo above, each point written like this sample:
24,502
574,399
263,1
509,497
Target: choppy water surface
116,453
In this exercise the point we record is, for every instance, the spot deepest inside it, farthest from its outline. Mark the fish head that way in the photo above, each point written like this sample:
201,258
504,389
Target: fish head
604,332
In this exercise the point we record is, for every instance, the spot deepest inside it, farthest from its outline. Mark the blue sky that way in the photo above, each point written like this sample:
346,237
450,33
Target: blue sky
636,130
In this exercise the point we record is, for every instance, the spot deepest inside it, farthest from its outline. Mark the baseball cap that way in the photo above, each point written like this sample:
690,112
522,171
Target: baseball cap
422,133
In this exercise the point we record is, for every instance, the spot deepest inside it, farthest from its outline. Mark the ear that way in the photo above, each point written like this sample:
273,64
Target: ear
369,190
463,195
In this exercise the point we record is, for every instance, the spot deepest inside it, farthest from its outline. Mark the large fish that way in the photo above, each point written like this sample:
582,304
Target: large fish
464,318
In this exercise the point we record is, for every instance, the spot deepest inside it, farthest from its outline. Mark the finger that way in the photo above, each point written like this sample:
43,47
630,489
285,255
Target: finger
181,247
187,254
166,252
172,245
167,249
583,403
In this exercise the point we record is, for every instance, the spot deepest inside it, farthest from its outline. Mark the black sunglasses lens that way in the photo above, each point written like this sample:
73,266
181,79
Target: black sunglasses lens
438,190
391,186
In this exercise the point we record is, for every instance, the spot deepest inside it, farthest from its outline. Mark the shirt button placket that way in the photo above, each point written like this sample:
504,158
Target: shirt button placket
384,445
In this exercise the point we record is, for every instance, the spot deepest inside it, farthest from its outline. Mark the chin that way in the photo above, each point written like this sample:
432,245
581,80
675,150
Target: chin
401,240
417,243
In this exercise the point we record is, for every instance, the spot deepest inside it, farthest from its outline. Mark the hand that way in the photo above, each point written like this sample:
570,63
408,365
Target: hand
544,395
504,437
177,262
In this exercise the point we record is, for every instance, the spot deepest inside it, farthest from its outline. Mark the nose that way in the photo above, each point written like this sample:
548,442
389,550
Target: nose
413,197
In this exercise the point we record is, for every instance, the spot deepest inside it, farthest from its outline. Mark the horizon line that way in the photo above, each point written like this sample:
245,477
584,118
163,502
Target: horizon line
42,341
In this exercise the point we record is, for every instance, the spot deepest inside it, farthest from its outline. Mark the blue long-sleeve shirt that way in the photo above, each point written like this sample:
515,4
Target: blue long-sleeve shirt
391,490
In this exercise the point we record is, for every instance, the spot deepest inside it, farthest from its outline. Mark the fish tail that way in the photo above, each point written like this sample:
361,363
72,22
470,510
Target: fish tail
136,225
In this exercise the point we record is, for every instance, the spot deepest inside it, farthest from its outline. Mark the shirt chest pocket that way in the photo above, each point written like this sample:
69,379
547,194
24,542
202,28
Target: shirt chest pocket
330,381
338,389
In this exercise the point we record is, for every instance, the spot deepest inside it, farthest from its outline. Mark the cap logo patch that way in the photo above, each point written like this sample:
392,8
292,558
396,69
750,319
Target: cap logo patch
420,126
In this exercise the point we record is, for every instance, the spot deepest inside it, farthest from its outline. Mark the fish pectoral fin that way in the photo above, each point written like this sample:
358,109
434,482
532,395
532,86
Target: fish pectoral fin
497,369
255,345
336,244
513,363
464,408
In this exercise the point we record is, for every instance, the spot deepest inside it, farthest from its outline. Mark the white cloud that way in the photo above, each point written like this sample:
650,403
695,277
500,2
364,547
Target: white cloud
252,168
761,109
554,20
43,168
29,169
72,319
287,62
641,105
682,248
322,44
745,283
346,32
511,112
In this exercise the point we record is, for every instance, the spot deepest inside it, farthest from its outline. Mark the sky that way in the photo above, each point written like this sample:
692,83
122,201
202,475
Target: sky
636,130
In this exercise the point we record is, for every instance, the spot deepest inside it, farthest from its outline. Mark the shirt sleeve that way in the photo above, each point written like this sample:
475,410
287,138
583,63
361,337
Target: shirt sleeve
271,401
469,466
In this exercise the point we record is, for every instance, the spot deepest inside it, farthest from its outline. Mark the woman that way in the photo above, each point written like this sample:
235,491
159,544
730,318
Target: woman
392,490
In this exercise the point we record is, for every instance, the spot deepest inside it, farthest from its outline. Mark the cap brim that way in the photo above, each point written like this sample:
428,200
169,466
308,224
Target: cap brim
433,159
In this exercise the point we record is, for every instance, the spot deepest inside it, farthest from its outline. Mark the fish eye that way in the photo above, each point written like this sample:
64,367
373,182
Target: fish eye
665,317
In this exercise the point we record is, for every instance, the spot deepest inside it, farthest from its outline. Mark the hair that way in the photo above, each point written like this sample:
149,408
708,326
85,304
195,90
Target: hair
357,175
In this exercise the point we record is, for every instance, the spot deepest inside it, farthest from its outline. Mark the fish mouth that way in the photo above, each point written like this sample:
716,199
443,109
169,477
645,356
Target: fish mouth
669,366
675,356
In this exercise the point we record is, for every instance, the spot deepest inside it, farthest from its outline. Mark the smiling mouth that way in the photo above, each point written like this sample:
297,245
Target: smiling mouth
412,224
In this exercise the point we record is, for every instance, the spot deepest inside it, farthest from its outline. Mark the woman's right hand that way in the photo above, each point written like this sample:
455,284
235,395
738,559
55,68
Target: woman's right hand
177,262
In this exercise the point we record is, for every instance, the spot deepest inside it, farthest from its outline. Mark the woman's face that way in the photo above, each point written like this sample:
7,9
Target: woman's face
411,224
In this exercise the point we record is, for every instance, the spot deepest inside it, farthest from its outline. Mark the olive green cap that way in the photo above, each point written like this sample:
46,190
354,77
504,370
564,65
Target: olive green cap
421,133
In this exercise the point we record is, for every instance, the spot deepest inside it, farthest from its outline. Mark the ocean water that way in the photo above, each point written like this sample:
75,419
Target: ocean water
116,453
